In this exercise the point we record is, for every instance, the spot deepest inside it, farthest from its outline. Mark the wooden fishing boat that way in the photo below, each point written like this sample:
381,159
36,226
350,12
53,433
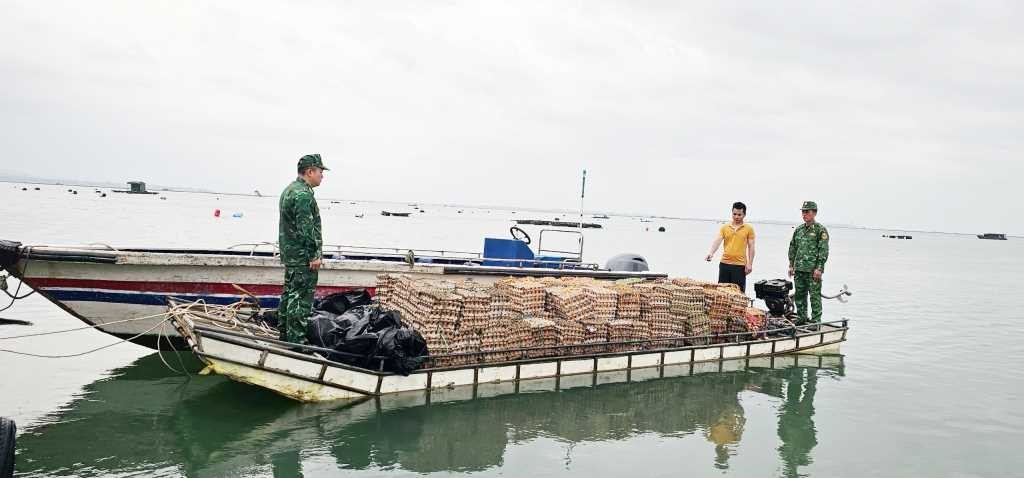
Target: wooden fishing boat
246,352
109,287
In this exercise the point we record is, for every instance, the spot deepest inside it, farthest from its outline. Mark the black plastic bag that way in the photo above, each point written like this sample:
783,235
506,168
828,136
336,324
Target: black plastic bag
405,348
340,302
366,336
327,330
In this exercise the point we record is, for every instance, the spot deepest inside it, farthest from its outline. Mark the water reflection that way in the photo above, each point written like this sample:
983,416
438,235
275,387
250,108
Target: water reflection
143,419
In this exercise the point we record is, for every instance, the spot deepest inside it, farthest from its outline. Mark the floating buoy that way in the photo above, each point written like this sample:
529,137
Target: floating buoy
661,229
36,189
24,189
216,213
163,198
103,195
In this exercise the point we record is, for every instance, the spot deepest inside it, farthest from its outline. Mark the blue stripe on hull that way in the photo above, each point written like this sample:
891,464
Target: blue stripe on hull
149,299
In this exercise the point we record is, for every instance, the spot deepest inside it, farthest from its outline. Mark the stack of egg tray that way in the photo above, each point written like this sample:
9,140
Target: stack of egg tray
595,333
686,281
724,306
694,309
476,305
509,332
544,334
622,330
382,290
465,342
570,332
677,323
525,295
499,307
493,338
655,309
604,301
628,302
436,310
569,303
519,337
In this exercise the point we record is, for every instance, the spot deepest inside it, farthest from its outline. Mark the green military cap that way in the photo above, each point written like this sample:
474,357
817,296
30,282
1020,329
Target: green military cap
311,160
809,205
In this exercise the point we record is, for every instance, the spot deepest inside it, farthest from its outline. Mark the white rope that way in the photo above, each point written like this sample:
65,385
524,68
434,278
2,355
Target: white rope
88,351
160,353
85,327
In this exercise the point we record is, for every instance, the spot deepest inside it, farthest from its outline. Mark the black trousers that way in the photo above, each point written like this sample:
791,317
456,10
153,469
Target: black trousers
732,274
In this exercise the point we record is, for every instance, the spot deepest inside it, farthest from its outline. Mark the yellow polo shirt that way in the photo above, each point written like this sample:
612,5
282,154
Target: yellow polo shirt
735,243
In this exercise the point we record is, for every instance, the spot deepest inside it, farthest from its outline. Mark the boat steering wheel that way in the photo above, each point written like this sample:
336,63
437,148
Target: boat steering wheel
519,234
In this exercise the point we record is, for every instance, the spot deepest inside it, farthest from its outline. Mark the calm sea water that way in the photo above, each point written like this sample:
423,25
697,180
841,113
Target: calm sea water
929,383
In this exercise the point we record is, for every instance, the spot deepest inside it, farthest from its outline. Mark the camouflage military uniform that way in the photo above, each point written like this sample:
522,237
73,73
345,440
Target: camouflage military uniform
300,241
808,250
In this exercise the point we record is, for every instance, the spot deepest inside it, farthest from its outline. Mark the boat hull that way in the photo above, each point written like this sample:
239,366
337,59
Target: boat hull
110,289
312,379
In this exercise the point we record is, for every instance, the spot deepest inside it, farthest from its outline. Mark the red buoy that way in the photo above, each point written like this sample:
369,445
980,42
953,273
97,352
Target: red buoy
216,213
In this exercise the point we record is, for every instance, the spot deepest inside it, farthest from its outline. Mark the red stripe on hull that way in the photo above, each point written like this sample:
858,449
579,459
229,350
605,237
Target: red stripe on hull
175,287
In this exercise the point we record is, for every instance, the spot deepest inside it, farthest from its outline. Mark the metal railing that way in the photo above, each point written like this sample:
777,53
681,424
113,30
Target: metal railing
399,253
573,255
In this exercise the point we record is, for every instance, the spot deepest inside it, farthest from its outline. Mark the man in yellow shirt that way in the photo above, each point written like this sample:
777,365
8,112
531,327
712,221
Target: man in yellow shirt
738,253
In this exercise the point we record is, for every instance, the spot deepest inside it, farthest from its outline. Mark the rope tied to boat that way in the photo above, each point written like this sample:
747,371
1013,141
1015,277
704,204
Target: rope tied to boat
97,349
4,276
91,326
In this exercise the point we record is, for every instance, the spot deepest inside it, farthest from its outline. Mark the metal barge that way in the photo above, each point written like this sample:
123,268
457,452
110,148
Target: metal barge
249,354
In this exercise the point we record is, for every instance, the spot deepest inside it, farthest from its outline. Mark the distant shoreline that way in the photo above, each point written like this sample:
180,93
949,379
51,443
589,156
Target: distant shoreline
101,184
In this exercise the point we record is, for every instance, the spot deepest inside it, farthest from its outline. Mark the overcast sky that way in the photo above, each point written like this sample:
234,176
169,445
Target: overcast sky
887,113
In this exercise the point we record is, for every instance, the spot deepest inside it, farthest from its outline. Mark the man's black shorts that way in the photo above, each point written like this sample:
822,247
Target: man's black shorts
732,274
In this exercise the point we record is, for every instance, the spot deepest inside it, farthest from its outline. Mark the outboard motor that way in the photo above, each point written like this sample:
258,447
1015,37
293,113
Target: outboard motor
627,263
775,294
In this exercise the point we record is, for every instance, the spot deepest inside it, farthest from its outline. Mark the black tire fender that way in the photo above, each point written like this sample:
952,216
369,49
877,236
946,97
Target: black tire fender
8,431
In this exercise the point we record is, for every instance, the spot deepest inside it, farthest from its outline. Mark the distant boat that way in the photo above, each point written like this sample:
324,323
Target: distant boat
543,222
135,187
359,215
642,219
600,216
891,236
993,236
397,214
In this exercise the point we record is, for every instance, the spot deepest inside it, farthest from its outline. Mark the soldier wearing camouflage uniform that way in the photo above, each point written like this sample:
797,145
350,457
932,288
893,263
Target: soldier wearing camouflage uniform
301,244
808,251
